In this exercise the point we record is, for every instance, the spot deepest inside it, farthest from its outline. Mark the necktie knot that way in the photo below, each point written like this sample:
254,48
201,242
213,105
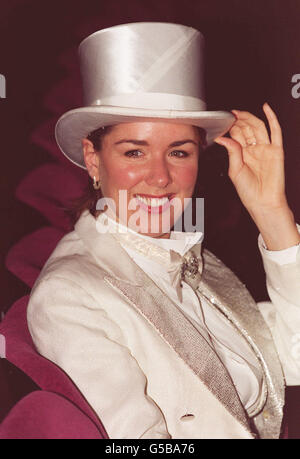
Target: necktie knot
187,268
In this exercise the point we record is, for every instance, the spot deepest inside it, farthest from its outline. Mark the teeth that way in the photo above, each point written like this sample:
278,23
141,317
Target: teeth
153,202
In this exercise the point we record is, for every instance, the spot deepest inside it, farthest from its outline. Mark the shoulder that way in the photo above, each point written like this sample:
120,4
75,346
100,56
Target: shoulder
70,285
70,264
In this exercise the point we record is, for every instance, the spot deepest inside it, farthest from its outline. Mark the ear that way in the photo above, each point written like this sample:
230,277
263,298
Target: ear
91,158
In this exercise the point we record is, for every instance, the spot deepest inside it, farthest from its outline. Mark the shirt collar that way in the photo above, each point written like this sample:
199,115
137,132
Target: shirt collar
179,241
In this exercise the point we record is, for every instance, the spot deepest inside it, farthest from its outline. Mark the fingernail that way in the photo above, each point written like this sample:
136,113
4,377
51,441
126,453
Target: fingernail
217,140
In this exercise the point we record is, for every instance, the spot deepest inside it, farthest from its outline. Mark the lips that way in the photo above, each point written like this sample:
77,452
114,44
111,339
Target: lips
152,203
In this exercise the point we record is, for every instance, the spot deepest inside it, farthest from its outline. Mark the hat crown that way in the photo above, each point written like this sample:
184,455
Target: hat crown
144,65
137,71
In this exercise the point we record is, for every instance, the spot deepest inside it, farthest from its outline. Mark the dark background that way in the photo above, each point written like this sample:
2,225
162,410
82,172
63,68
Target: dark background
252,52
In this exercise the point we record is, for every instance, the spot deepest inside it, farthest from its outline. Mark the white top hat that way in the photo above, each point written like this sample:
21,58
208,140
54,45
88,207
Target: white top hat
138,70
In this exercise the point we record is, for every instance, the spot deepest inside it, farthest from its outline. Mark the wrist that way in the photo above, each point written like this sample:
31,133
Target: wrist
277,227
280,212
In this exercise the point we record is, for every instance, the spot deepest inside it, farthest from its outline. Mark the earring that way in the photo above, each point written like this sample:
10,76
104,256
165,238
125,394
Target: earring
96,183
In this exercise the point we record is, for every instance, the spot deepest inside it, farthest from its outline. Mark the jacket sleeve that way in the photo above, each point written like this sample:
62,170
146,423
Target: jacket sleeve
69,328
283,313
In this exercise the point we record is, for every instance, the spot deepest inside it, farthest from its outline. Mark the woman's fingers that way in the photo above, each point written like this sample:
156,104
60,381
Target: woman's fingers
253,129
237,134
276,134
235,155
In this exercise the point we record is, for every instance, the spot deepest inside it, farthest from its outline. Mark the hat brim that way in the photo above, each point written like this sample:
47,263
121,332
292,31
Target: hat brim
76,124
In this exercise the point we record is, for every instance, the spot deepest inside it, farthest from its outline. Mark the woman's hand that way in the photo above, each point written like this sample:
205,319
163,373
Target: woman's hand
256,165
256,168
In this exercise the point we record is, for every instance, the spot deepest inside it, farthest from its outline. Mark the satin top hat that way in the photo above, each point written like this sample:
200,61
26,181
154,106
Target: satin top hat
137,70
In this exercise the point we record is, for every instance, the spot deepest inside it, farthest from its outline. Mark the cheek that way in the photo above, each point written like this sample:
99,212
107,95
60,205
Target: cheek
187,176
123,177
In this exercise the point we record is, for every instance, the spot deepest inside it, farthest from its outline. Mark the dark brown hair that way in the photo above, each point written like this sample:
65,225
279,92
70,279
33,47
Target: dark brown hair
89,199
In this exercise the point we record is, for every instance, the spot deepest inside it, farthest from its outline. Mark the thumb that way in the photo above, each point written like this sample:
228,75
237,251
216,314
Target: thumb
234,153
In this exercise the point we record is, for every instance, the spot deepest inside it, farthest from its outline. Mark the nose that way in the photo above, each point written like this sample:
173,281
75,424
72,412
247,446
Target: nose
158,173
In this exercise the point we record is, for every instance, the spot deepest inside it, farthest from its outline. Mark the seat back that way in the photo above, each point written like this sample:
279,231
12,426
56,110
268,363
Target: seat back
20,351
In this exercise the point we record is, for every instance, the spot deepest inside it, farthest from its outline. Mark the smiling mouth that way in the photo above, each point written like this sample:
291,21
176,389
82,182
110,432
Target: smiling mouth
154,203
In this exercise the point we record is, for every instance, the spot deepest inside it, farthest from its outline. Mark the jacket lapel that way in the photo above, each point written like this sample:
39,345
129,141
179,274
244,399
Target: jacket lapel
234,301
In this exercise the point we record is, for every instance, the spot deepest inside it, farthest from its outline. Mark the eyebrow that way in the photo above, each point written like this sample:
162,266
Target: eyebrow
177,143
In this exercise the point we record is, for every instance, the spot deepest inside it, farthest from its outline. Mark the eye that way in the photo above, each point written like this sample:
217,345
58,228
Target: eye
179,153
133,153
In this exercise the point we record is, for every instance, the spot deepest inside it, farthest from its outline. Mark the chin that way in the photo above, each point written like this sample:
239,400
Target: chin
157,235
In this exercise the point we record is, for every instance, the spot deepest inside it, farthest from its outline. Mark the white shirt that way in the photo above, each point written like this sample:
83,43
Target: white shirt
227,342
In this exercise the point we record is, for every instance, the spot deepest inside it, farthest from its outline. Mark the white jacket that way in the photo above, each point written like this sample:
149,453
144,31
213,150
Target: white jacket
138,361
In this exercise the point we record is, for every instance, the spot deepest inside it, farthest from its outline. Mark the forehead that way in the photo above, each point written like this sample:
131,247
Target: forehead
149,128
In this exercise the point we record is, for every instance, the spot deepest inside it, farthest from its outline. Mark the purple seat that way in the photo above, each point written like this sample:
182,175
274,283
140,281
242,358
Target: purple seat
47,410
46,415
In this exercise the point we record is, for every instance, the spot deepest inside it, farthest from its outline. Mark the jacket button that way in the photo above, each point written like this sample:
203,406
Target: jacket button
266,414
187,417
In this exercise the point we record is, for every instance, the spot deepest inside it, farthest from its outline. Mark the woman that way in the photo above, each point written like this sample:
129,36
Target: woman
163,340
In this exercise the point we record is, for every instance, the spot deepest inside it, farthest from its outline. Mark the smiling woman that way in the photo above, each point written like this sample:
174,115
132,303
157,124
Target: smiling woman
161,339
154,163
96,144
